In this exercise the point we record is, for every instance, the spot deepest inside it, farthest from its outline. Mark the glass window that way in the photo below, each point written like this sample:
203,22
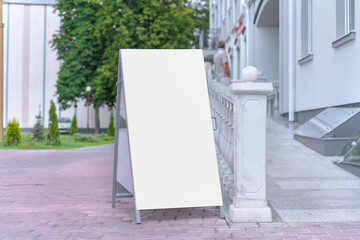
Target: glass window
351,15
306,27
345,17
351,150
237,10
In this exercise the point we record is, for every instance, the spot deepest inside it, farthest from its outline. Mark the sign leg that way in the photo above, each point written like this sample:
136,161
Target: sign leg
137,215
222,213
113,201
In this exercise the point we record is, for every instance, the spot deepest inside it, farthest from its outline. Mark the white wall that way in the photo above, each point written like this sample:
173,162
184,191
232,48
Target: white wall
26,67
52,64
5,15
36,61
16,44
332,77
267,52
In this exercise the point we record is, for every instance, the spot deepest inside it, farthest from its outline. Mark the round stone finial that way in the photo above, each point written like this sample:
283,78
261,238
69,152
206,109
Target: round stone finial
249,74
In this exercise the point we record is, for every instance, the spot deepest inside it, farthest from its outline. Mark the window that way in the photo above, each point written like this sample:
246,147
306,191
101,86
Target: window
230,13
345,17
306,31
221,10
345,22
237,10
225,23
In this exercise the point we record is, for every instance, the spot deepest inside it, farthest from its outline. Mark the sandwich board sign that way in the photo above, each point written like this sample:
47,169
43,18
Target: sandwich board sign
165,153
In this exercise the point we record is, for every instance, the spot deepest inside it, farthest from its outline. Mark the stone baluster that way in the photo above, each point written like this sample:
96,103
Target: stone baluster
228,134
226,143
223,119
249,202
231,136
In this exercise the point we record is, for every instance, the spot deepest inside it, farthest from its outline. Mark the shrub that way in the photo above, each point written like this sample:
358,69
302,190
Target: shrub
73,129
101,136
38,130
53,135
106,138
84,138
111,129
13,133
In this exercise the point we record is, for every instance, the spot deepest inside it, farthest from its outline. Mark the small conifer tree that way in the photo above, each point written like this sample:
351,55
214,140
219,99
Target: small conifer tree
111,129
13,133
38,130
73,129
53,135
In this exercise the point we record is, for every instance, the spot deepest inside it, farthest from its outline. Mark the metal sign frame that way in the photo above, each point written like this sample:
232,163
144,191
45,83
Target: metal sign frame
119,191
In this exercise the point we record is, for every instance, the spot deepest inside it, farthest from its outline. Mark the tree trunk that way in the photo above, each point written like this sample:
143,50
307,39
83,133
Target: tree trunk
97,119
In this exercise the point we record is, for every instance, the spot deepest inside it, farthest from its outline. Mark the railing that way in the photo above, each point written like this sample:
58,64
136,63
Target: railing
222,108
273,100
240,127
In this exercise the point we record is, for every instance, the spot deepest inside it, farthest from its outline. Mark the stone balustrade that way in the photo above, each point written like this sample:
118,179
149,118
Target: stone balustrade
273,100
222,106
222,109
240,132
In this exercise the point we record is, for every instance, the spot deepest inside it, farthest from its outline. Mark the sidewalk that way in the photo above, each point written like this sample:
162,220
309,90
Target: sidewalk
67,195
304,186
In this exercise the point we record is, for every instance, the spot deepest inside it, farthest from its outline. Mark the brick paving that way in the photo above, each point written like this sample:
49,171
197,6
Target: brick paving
67,195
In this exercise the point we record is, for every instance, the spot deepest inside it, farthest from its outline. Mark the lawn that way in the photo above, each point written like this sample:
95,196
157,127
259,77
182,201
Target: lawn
67,142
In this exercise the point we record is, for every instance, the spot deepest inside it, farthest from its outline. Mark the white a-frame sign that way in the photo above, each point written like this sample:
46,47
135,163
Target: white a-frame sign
164,146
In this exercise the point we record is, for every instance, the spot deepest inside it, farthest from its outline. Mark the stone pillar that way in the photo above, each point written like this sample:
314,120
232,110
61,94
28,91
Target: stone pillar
250,203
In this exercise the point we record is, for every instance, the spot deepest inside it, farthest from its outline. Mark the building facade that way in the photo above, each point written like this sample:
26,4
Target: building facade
308,46
31,65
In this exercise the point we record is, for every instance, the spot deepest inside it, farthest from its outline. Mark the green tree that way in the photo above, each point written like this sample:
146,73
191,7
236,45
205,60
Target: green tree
92,33
112,32
200,15
38,130
74,128
146,24
53,135
13,133
111,128
79,51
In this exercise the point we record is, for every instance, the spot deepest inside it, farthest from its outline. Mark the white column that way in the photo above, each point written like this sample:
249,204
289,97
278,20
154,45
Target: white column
249,203
292,60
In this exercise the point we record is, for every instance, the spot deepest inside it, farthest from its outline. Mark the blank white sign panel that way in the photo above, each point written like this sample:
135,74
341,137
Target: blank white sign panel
172,147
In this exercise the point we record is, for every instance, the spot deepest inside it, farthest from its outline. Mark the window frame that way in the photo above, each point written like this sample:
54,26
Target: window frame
348,31
307,54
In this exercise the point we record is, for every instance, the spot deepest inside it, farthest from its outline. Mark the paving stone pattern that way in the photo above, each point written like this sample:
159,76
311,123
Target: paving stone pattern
67,195
304,186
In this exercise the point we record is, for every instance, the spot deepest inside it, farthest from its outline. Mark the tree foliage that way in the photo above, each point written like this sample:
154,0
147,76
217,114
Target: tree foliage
201,18
53,135
13,133
92,33
111,128
38,132
146,24
74,128
77,48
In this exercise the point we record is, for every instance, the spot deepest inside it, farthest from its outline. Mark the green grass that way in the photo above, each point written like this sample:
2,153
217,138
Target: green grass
66,143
